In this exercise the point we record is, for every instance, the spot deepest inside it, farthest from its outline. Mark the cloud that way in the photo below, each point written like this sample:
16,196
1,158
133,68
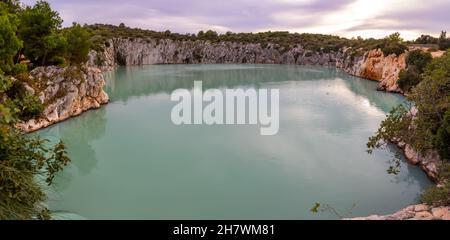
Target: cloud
342,17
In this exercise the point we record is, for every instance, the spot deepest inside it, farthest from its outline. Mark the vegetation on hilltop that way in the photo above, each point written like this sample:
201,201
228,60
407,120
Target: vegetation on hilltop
285,40
443,42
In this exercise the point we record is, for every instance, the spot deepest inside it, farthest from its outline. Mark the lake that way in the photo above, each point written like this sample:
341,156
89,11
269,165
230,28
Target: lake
129,161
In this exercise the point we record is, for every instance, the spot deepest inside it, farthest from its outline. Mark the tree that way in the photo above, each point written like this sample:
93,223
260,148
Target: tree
395,37
444,42
210,35
38,30
393,44
9,42
13,6
78,44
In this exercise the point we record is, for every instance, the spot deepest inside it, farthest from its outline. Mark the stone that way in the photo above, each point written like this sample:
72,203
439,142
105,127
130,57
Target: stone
440,212
421,207
424,215
411,155
446,216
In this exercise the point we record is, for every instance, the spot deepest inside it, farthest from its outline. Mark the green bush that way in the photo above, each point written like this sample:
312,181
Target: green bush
19,68
442,137
393,44
437,196
5,83
22,103
419,59
408,78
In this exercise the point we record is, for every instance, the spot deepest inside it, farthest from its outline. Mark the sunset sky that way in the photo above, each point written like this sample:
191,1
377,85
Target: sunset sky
348,18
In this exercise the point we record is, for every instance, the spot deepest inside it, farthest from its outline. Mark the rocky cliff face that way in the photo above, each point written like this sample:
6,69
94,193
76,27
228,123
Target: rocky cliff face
65,92
372,65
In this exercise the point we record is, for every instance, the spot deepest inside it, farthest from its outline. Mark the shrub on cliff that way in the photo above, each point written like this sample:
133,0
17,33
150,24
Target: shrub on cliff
439,195
393,44
417,61
408,78
23,104
26,165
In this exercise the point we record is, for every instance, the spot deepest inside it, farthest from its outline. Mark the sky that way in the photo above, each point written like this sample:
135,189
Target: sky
346,18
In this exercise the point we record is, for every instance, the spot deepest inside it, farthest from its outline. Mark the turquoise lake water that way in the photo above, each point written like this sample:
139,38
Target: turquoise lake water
129,161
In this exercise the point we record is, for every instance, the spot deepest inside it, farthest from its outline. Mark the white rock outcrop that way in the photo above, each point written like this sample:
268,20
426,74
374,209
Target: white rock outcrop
65,92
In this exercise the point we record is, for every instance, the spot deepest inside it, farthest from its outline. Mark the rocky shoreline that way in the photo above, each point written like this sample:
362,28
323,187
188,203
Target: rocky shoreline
65,93
413,212
428,162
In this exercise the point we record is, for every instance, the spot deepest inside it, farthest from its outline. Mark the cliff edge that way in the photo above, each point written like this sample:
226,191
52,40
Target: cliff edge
64,92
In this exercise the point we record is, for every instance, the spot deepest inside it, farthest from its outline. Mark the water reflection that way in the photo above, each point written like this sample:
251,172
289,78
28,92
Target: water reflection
78,134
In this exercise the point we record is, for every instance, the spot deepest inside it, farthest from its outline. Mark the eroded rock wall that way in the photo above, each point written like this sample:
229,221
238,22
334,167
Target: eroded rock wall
372,65
65,92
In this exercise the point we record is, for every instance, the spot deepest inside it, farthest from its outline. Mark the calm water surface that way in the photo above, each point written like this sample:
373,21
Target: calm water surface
130,162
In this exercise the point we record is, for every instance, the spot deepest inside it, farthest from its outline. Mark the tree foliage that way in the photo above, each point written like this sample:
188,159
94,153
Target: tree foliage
444,42
419,59
393,44
34,33
38,30
78,44
408,78
10,44
416,60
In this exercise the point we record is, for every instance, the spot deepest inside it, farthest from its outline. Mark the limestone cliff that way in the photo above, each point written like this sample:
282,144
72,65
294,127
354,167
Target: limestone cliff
385,69
372,65
64,92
